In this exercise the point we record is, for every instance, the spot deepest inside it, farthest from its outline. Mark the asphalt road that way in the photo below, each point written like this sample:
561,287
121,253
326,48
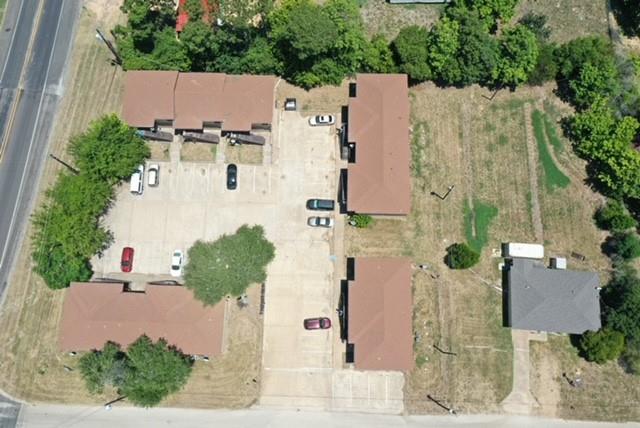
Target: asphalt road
35,43
42,416
34,55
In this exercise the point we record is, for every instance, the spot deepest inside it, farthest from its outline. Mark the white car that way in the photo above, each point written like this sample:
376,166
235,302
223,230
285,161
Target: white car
136,184
326,119
154,174
177,259
320,221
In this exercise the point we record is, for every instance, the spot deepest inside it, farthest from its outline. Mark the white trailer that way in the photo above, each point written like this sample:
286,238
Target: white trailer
527,251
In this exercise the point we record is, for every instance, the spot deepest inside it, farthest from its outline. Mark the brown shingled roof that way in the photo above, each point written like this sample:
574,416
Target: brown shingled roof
380,314
196,97
94,313
379,180
193,98
148,96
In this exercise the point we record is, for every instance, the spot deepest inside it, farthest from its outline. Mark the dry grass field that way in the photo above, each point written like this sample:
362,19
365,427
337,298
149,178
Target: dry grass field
380,17
31,367
569,19
487,150
198,152
250,154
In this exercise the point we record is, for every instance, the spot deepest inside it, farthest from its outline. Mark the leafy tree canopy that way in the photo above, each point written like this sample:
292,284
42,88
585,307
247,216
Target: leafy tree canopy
622,298
614,216
146,374
229,265
461,256
492,11
410,46
154,370
602,346
518,56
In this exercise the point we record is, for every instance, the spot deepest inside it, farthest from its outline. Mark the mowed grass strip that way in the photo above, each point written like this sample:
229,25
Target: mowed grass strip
552,135
553,177
477,220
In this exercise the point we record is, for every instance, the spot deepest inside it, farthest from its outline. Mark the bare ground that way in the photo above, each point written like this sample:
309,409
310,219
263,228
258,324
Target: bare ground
198,152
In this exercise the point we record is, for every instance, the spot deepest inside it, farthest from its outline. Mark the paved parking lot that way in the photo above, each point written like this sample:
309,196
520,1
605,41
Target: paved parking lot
300,368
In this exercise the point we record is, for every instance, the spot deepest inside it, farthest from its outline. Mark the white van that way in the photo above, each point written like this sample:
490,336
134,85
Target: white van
136,185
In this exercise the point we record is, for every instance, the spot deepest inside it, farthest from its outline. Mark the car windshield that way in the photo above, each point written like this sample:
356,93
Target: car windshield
175,267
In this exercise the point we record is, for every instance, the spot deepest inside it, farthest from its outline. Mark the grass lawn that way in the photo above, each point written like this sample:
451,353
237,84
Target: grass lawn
476,223
387,19
543,131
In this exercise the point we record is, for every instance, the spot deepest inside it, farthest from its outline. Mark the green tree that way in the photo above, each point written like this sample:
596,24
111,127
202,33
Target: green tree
518,56
378,56
243,13
602,346
492,11
144,19
478,52
411,49
260,58
194,10
622,299
106,367
229,265
461,256
546,67
594,82
109,150
574,55
444,43
613,216
198,42
154,370
537,23
624,244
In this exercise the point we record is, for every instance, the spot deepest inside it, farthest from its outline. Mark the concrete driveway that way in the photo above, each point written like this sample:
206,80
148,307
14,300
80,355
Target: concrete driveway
301,369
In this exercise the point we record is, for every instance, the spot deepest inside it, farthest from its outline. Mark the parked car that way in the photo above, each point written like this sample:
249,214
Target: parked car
290,104
321,323
136,184
177,259
321,204
320,120
320,221
232,177
126,260
154,175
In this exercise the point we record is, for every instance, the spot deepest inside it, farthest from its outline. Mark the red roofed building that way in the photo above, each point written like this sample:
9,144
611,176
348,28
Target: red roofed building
95,313
378,176
379,314
183,16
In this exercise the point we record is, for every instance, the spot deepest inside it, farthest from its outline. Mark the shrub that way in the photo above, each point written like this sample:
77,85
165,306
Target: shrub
623,244
229,265
602,346
103,368
613,216
461,256
362,220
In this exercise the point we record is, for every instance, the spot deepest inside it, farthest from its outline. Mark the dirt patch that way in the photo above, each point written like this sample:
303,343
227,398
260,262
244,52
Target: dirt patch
569,19
250,154
387,19
198,152
607,392
159,151
327,99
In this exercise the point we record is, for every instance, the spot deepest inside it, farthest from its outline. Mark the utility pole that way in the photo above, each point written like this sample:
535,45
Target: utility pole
113,50
448,409
72,169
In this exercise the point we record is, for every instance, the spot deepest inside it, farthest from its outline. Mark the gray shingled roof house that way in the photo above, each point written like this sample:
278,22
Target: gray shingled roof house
552,300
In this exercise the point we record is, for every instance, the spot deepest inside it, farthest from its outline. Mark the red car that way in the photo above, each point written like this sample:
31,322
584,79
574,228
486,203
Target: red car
317,323
126,261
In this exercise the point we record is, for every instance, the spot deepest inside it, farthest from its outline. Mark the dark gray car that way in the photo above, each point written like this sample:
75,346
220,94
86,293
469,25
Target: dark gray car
321,204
